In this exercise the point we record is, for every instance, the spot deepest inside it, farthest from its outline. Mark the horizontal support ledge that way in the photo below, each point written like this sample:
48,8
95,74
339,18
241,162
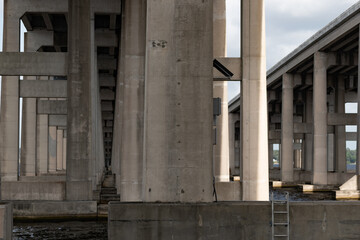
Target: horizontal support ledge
43,89
233,65
33,64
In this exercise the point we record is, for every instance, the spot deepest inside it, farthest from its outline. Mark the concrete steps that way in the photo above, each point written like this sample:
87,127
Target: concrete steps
106,194
106,198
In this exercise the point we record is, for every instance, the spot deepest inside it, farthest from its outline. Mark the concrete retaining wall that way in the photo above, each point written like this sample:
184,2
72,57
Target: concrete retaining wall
241,220
6,221
54,209
33,191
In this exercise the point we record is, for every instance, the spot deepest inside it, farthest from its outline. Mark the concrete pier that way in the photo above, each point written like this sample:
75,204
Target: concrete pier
320,119
78,182
221,149
131,81
287,129
255,180
178,120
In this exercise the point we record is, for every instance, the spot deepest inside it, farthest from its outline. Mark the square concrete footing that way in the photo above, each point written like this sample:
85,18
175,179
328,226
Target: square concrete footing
318,188
280,184
348,195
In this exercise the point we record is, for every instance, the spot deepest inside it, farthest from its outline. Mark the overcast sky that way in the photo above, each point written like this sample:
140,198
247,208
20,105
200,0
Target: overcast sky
288,24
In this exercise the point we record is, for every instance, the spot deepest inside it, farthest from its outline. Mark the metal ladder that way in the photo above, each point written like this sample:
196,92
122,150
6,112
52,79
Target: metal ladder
280,208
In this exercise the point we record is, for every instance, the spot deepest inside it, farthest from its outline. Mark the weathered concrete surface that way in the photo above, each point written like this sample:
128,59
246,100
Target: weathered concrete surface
79,137
54,209
254,123
43,89
33,190
6,221
129,124
320,119
33,64
242,220
189,221
221,148
52,107
287,129
228,191
178,120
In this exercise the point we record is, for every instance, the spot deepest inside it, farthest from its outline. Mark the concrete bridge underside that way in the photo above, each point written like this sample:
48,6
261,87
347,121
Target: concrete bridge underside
307,92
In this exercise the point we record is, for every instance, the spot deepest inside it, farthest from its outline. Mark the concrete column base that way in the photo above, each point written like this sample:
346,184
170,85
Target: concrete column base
318,188
347,195
228,191
281,184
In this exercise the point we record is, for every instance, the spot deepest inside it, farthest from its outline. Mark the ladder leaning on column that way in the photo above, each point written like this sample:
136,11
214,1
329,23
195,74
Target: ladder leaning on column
280,224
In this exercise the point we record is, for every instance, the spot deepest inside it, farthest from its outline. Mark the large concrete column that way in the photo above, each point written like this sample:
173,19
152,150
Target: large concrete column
221,149
132,74
9,116
320,119
52,148
42,143
308,136
287,129
233,156
178,120
64,152
28,136
255,173
340,134
59,149
79,135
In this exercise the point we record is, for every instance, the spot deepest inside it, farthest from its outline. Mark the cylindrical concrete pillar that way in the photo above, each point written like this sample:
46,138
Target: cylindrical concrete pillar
340,145
131,78
320,119
221,149
254,130
287,129
59,149
52,148
308,136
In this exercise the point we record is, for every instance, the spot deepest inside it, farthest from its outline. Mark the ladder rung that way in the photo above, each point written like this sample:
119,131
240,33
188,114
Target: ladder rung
278,201
281,212
284,224
280,235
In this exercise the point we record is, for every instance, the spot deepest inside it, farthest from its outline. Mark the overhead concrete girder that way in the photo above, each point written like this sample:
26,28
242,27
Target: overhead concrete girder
58,120
43,89
52,107
33,64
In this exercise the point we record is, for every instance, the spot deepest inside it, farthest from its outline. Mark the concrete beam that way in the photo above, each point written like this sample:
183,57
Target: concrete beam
55,107
33,64
58,120
233,64
43,89
105,38
107,63
351,136
342,119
